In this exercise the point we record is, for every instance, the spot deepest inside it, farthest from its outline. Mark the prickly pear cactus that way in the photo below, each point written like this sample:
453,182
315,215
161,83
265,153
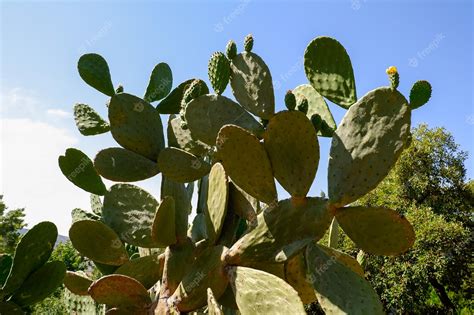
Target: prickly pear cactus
28,277
235,246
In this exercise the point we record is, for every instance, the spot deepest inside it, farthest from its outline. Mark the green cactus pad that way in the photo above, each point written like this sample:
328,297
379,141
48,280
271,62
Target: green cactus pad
172,103
292,146
94,70
161,81
252,84
40,284
219,72
177,263
120,291
147,269
246,162
31,253
218,193
129,211
136,125
77,282
244,205
295,275
378,231
231,49
96,204
230,227
420,94
207,114
197,88
181,166
367,143
213,308
274,240
333,239
79,214
329,70
317,105
182,199
163,230
88,121
122,165
248,43
251,287
339,290
97,241
344,259
79,170
10,308
6,262
181,138
206,272
198,229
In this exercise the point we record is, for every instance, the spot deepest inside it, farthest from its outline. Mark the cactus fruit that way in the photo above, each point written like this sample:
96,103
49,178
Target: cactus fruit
393,76
231,50
161,80
219,72
420,93
290,100
245,251
248,43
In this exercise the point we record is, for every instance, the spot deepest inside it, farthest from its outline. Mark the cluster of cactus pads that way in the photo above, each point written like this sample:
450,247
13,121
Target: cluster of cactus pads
243,249
29,277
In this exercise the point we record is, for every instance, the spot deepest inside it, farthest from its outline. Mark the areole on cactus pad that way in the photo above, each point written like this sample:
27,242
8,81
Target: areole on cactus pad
218,235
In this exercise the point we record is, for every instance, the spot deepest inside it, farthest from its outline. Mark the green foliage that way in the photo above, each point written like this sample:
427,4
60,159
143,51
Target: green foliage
66,253
245,248
11,222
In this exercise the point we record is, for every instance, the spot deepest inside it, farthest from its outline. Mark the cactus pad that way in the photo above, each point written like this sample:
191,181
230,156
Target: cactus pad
147,269
339,290
122,165
181,166
329,70
79,214
136,125
367,143
172,103
97,241
10,308
96,204
274,240
77,282
206,115
344,259
31,253
244,205
378,231
88,121
79,170
161,81
206,272
163,230
213,307
120,291
198,229
6,262
129,211
231,50
182,198
181,138
246,162
295,275
316,105
217,197
293,152
251,287
40,283
420,94
94,70
219,72
252,84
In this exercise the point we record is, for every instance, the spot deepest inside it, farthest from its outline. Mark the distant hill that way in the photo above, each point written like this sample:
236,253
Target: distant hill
61,238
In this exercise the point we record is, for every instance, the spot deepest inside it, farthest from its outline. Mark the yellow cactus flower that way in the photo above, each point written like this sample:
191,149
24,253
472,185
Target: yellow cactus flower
391,70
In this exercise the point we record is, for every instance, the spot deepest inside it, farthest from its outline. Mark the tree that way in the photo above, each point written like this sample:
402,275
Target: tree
428,186
11,222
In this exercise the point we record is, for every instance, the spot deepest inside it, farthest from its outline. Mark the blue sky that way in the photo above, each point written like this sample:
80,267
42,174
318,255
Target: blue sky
41,42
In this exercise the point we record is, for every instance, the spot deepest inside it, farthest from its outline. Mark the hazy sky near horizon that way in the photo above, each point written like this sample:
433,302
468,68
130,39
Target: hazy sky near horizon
41,42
